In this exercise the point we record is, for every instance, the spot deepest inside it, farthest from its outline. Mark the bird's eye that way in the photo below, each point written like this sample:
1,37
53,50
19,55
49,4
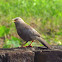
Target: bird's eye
16,19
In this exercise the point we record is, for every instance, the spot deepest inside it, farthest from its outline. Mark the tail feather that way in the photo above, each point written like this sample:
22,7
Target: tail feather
43,42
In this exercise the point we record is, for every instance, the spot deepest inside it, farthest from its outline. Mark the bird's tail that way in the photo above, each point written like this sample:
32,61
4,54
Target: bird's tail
43,42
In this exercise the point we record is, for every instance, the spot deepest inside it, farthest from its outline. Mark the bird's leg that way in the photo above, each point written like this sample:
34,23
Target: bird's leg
27,46
24,44
31,43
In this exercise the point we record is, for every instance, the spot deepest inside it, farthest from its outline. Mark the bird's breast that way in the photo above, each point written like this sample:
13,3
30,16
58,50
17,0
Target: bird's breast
24,35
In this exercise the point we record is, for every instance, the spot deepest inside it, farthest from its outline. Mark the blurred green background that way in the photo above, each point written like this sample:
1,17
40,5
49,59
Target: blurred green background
43,15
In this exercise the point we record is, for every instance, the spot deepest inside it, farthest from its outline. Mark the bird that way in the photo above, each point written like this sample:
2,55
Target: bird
28,33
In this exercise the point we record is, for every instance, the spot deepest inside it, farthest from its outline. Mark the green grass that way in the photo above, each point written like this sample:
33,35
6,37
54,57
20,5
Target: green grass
44,16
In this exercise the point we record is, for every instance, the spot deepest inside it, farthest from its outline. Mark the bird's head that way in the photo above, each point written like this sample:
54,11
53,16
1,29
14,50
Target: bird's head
17,19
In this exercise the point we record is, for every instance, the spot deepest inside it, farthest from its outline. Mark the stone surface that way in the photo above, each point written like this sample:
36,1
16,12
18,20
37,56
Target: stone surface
31,54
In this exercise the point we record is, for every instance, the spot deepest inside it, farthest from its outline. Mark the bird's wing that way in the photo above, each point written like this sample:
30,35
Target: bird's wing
34,32
30,31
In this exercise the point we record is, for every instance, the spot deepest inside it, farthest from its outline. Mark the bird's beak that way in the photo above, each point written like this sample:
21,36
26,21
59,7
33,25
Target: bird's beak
13,20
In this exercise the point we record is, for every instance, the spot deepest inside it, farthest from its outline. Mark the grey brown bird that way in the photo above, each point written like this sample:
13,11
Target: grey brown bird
27,33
